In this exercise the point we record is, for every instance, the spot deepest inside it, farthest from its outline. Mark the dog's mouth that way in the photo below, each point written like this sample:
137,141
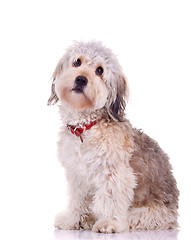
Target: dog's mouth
78,89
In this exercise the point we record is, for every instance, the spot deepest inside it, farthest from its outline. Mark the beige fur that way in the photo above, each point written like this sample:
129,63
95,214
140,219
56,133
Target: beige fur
119,178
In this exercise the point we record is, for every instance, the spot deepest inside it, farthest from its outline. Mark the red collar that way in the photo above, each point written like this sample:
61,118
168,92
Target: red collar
79,130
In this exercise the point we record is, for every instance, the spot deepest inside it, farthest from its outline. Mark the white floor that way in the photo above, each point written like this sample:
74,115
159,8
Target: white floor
136,235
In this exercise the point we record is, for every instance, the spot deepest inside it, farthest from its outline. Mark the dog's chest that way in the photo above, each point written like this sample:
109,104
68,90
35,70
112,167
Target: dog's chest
78,156
100,150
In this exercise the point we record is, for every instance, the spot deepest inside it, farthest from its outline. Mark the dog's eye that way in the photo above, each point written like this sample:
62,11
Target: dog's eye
99,71
77,63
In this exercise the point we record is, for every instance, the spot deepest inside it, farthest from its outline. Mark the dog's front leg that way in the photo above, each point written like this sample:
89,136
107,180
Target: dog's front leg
112,199
70,219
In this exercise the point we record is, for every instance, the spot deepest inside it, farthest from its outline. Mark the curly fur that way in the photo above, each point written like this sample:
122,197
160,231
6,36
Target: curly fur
119,178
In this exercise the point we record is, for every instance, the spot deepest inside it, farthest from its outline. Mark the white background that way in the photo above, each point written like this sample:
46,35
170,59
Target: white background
153,42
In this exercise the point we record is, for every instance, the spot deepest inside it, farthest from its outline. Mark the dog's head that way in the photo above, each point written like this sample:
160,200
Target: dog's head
88,77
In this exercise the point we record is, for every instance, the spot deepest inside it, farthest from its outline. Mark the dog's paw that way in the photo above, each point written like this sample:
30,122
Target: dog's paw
87,221
66,222
108,226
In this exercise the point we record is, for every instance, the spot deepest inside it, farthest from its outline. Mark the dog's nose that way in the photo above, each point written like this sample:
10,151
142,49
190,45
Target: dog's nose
81,80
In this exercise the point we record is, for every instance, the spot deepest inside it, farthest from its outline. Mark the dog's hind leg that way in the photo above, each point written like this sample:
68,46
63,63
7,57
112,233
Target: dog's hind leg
150,218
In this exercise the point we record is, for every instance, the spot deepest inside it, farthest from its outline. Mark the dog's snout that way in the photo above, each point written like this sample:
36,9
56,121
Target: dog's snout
81,80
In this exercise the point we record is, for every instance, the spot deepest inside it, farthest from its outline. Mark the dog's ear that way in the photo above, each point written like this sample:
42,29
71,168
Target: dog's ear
53,97
117,105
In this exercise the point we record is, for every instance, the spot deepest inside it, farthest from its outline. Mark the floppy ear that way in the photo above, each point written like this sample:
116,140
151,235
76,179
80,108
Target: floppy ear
53,97
117,107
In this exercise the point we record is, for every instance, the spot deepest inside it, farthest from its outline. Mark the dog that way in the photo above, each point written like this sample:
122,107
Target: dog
119,178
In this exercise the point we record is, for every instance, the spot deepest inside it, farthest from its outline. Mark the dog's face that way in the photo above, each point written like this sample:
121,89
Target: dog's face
88,77
80,83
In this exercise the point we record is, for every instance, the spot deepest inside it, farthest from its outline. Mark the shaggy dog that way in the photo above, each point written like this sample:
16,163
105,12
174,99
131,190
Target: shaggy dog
119,178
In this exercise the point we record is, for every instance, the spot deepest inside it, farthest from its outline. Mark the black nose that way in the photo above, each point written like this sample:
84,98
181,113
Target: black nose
81,80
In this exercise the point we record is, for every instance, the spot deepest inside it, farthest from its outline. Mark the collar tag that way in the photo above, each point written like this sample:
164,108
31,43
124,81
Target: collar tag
79,130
